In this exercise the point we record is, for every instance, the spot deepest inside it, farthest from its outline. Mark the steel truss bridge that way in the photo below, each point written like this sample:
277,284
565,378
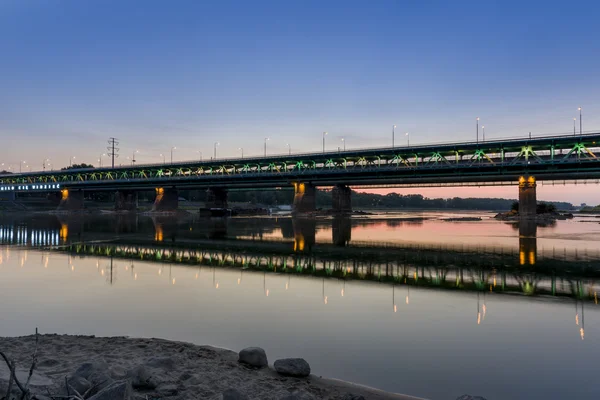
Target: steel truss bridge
546,158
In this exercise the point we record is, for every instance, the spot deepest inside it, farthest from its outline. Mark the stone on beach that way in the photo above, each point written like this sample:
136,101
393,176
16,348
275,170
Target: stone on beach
141,378
297,367
234,394
253,356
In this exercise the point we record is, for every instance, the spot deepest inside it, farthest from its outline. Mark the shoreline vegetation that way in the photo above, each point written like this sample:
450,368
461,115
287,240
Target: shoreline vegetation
101,368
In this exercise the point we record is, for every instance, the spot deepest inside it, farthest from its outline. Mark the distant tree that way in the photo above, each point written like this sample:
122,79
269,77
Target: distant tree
5,172
78,166
515,206
545,208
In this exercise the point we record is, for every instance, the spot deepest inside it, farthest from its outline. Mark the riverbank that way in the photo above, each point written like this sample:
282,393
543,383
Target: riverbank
160,368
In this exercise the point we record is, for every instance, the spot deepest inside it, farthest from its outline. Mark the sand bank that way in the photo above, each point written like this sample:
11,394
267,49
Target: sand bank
172,370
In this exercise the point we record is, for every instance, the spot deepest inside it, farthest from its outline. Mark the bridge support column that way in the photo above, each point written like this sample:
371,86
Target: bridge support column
527,197
216,198
304,197
341,197
167,199
71,200
126,200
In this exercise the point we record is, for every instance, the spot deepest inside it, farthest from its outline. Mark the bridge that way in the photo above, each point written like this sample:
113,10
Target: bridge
522,162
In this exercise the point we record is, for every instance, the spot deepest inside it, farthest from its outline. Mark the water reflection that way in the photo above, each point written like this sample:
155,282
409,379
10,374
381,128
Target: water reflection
287,245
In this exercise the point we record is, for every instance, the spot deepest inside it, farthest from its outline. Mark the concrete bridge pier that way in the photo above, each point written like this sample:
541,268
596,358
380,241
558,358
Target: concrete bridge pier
71,200
304,197
341,197
167,199
216,198
126,200
527,197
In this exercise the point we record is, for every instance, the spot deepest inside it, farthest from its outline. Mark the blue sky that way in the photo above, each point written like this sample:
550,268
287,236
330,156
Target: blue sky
158,74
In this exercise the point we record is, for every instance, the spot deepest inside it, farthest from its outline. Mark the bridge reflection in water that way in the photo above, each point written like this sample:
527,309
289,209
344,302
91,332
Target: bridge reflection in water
250,244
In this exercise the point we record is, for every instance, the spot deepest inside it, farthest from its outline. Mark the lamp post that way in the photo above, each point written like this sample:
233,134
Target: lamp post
393,135
477,129
172,148
21,164
574,121
100,159
266,139
44,163
71,160
483,132
580,130
344,141
324,134
289,149
215,148
407,140
242,150
199,152
164,159
133,157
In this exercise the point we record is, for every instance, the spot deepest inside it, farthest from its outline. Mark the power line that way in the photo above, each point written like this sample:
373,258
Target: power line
112,150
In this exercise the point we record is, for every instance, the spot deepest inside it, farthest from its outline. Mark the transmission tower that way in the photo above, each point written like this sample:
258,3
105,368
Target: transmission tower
113,151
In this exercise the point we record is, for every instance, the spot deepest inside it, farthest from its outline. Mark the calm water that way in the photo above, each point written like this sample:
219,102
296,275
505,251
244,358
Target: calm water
427,307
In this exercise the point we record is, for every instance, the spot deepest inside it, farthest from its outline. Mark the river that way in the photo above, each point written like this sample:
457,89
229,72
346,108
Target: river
405,302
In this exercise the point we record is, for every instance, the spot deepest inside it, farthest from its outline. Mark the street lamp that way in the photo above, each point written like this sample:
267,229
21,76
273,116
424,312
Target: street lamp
172,148
71,160
574,120
44,163
216,144
483,129
580,130
266,146
21,164
407,140
324,134
344,141
100,159
133,157
163,156
242,149
199,152
289,149
477,129
393,135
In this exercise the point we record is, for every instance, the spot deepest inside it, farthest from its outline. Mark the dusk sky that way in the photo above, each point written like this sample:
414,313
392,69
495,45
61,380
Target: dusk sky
158,74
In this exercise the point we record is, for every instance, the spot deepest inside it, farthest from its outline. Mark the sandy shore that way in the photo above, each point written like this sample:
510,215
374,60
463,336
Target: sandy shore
176,370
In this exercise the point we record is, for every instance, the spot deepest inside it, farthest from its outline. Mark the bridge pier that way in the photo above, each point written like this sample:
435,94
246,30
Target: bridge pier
341,197
304,197
126,200
167,199
527,197
71,200
216,198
